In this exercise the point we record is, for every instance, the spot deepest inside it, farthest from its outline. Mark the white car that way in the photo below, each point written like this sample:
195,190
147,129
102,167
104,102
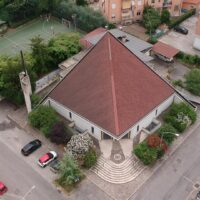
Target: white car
47,158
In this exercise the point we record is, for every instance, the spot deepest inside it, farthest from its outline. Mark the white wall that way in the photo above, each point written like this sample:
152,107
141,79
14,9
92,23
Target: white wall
85,124
80,122
149,117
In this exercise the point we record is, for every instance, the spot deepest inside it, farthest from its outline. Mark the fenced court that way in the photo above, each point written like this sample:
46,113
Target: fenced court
19,39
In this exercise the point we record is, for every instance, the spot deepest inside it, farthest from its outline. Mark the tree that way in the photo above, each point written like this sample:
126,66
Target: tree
146,154
59,134
40,55
63,47
81,2
167,133
10,86
151,19
69,172
90,158
43,118
193,81
165,16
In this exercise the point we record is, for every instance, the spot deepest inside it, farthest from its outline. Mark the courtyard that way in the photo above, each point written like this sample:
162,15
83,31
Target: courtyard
180,41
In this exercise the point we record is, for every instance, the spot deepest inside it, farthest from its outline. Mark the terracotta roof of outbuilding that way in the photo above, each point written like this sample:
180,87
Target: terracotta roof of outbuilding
165,49
111,87
191,1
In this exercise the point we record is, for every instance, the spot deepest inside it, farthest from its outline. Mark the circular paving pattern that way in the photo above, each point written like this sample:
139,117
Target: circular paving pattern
117,157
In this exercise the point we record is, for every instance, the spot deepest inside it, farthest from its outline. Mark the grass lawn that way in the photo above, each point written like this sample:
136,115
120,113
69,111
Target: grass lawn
19,38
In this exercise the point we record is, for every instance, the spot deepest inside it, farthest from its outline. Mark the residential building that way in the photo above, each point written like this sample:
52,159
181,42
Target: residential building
128,11
111,92
191,4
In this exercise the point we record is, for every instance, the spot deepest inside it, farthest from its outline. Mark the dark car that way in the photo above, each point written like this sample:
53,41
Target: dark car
198,195
3,188
181,29
31,147
54,166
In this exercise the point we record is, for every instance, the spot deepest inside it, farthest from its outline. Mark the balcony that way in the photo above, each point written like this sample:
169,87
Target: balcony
167,4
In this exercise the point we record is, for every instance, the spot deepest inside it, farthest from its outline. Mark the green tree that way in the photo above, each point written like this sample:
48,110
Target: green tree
81,2
63,47
193,81
40,55
151,19
43,118
165,16
10,86
69,172
90,158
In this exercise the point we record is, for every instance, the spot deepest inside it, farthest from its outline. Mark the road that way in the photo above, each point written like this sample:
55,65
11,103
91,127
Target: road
176,179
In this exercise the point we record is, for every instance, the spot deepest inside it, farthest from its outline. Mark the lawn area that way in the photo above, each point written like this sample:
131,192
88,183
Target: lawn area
19,38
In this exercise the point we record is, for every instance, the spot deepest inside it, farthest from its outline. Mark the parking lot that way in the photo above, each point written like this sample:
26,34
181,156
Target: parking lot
180,41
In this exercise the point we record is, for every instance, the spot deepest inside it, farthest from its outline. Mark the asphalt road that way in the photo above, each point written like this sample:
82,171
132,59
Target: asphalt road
22,180
176,179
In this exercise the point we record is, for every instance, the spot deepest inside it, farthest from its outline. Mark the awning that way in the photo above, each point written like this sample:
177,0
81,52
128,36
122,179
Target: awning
165,50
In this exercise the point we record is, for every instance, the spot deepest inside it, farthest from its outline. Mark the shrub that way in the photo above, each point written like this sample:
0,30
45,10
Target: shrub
193,81
145,153
180,115
69,172
153,140
153,40
167,133
165,16
90,158
58,134
178,83
43,118
181,18
35,99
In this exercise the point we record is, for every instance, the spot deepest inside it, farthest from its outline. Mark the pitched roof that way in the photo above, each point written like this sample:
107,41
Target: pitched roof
165,49
192,1
111,87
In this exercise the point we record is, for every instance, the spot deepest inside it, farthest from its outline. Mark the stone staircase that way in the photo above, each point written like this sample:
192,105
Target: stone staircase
118,173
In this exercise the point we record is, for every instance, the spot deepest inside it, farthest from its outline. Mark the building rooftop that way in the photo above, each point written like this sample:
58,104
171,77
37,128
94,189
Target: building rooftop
111,87
165,49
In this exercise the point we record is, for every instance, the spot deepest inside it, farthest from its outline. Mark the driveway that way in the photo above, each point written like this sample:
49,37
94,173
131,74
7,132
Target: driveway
180,41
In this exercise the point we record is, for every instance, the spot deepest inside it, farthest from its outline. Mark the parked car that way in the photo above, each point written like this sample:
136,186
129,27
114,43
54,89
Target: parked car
3,188
198,196
31,147
54,166
181,29
47,158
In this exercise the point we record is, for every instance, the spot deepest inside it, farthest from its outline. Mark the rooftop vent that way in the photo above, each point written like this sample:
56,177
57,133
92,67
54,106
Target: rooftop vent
123,39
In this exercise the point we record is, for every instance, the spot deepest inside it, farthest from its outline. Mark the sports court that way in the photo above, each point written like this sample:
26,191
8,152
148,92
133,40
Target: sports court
19,39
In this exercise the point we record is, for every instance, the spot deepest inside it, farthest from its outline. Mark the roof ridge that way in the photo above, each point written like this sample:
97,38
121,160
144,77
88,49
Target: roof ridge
116,119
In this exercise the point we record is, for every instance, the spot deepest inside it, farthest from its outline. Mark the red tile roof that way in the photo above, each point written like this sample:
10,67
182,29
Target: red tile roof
111,87
192,1
97,31
165,49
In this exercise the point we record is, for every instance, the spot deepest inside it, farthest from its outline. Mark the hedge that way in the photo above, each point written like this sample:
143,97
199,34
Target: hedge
178,114
181,18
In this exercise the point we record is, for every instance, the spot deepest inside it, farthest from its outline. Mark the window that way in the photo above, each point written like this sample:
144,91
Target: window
156,111
70,115
138,128
152,1
113,5
92,129
138,13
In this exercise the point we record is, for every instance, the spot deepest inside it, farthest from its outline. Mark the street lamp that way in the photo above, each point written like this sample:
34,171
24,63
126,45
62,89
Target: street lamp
74,20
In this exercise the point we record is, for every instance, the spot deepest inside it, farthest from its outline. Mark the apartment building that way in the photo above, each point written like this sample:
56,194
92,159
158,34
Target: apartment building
127,11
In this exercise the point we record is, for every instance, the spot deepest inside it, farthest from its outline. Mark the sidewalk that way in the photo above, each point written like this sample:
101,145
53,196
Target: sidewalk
20,117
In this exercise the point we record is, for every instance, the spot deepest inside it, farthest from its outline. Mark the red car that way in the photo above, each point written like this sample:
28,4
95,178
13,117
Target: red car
3,188
47,158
